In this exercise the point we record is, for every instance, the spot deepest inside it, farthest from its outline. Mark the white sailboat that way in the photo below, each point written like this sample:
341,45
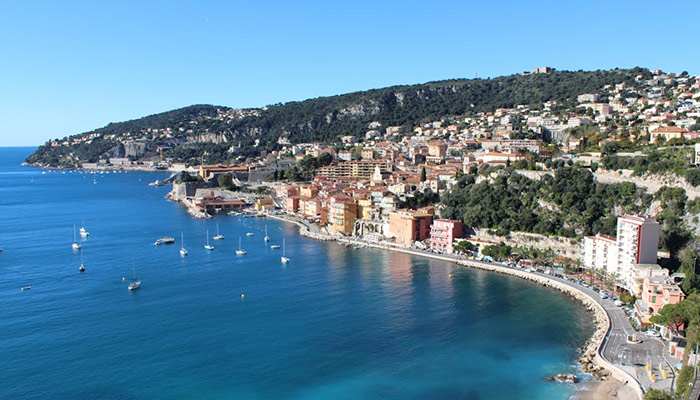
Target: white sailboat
183,251
218,235
240,251
267,238
76,246
208,246
83,232
81,268
136,283
284,258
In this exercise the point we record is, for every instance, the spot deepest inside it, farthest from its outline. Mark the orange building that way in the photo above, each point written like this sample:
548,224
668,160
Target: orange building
408,226
342,214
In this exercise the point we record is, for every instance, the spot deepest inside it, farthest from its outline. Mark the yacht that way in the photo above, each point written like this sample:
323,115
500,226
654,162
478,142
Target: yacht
240,251
208,246
183,251
165,240
76,246
218,235
284,259
81,268
84,233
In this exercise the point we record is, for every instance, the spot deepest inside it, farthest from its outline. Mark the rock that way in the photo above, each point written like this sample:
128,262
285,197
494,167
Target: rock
562,378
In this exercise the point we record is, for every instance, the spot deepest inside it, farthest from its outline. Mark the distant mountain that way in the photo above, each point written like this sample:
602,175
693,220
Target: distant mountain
219,131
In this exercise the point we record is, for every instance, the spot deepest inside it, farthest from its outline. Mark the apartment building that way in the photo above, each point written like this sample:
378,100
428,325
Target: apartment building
342,214
636,243
355,169
408,226
443,233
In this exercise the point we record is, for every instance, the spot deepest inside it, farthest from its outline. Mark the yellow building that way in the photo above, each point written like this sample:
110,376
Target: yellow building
364,209
342,215
264,204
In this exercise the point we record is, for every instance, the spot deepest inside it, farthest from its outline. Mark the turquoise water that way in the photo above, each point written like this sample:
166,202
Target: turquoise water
335,323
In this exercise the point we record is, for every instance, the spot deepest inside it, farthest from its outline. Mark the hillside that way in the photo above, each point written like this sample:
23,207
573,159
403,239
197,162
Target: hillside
188,132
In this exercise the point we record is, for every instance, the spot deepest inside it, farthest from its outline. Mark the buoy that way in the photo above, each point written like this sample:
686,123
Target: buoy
242,296
450,275
123,279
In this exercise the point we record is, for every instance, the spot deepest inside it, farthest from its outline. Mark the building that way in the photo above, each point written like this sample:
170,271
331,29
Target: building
408,226
600,253
636,243
542,70
437,151
342,215
697,154
667,132
355,169
443,233
264,204
657,291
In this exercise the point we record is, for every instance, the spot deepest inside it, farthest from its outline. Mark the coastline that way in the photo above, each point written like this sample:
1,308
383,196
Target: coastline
611,382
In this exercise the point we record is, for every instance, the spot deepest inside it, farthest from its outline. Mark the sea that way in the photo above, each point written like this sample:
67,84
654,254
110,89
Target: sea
334,323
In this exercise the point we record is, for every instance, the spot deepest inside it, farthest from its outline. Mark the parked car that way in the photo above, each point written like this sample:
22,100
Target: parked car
652,332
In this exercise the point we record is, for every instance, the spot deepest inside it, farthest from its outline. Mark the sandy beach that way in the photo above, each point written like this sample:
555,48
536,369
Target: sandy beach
606,390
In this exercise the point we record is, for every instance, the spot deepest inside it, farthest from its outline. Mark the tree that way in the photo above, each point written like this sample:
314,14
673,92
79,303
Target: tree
423,175
465,247
656,394
225,182
692,175
691,282
325,159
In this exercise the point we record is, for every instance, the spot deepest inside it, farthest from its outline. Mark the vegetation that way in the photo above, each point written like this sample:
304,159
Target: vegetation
657,394
686,312
653,162
306,167
326,118
570,203
498,252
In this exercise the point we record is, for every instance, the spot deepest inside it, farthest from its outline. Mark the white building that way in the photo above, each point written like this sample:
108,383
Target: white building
697,153
636,243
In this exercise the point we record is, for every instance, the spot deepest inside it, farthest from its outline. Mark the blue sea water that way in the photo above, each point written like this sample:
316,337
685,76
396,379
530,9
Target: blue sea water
335,323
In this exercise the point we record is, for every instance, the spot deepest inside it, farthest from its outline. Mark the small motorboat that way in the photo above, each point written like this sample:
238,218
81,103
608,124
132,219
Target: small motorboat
250,234
275,246
26,287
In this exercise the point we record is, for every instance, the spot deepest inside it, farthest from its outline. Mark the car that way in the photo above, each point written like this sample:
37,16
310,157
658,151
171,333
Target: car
617,303
652,332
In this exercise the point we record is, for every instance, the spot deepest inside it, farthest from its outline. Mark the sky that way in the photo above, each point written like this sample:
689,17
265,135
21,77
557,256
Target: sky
70,67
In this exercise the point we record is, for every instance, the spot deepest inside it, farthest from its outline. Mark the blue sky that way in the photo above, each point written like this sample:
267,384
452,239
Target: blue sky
72,67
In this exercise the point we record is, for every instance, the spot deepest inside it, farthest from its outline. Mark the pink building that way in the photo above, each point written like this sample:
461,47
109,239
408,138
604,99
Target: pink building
657,291
443,233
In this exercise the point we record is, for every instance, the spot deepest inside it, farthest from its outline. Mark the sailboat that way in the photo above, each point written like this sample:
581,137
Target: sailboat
83,232
218,235
81,268
183,251
267,238
208,246
284,259
76,246
240,251
136,283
